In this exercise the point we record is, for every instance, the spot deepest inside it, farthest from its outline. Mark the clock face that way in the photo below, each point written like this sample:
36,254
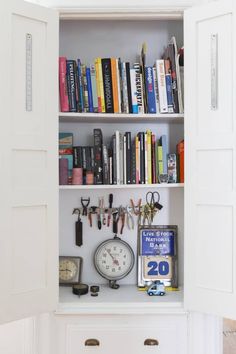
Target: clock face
67,269
114,259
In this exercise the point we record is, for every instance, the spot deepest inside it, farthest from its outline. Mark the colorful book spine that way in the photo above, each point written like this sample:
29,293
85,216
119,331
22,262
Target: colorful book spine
163,143
85,88
146,158
114,76
161,81
107,82
154,71
71,85
94,88
149,156
151,99
133,162
139,87
65,143
90,93
135,108
80,85
169,93
137,157
154,176
127,65
160,160
101,86
64,101
98,86
118,85
142,157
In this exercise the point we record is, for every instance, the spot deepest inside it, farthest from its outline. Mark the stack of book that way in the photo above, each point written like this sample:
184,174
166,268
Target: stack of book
110,85
125,160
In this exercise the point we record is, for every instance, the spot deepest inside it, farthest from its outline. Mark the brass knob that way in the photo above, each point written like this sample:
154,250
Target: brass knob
150,341
91,342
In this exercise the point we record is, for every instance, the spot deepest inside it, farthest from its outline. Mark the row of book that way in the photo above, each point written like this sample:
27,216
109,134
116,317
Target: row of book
110,85
142,160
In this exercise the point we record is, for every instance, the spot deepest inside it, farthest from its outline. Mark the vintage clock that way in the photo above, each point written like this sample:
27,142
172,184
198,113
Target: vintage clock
114,260
69,270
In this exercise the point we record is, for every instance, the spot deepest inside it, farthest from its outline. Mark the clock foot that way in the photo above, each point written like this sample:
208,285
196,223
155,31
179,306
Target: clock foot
113,284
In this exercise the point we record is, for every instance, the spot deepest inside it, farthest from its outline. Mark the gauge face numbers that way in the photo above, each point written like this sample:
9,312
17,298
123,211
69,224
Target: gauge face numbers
114,259
69,270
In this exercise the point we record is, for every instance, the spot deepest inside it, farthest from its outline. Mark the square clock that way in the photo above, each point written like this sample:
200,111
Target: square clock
69,270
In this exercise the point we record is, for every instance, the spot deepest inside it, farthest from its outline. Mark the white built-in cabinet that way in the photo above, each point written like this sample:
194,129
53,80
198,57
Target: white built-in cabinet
32,205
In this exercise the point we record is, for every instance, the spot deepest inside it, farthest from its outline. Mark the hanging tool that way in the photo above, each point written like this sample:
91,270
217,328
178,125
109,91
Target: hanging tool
115,216
122,217
109,209
152,200
136,209
78,229
92,210
129,217
85,203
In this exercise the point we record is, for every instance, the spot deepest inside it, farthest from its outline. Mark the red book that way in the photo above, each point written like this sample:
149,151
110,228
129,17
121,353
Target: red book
64,102
180,152
154,177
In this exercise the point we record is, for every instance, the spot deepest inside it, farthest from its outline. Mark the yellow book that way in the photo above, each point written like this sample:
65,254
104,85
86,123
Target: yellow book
160,160
114,85
98,87
100,82
149,156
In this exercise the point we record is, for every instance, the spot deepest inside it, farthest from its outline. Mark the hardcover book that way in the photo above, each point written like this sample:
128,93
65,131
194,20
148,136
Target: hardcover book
98,142
161,81
71,85
64,101
107,82
150,90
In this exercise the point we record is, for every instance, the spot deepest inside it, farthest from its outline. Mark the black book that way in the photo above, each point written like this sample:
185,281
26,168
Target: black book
128,157
92,158
77,157
127,66
70,74
133,163
105,165
84,163
107,83
142,157
98,141
88,158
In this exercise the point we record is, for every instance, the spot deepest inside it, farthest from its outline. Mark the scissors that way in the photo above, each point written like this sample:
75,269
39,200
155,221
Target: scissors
152,200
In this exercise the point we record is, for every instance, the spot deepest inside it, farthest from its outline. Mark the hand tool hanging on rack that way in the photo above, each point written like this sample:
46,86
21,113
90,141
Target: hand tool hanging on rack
78,228
85,203
109,209
137,209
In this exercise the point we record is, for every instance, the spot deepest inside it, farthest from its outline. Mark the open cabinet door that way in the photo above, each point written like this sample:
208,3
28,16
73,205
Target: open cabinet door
28,155
210,194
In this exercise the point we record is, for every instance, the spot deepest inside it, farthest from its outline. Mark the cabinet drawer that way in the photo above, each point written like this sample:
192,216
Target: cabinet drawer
121,335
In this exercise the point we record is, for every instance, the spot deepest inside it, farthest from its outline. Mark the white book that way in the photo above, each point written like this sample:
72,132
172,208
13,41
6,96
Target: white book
124,160
133,91
118,156
154,71
139,87
161,82
118,84
121,160
124,89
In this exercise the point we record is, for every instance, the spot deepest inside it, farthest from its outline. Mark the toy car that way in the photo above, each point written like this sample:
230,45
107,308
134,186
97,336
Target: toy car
157,288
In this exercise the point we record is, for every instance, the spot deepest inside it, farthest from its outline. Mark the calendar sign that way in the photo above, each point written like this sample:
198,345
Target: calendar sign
157,241
157,268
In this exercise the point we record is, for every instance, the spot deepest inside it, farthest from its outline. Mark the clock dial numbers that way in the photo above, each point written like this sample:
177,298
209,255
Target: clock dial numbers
69,270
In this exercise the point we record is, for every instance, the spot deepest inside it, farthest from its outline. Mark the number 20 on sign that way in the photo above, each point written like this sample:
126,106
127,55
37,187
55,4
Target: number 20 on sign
157,267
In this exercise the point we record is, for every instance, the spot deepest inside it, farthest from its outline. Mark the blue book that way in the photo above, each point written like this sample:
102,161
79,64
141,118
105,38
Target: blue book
80,85
150,89
169,93
90,93
163,143
70,72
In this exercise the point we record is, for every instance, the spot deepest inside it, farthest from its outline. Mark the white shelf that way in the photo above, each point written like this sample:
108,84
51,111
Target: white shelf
126,300
122,186
119,118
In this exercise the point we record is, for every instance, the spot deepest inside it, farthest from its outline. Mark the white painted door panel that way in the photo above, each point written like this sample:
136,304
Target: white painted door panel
210,194
28,152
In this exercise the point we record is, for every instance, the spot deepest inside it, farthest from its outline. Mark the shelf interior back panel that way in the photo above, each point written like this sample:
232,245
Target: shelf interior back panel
88,39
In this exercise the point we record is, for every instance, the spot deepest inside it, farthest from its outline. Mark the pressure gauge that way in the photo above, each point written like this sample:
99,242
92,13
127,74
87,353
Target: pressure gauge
114,260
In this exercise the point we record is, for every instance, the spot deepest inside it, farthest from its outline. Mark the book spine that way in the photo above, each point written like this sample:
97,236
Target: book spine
172,168
71,85
125,159
94,88
105,165
163,143
107,82
149,156
151,99
98,141
90,94
92,158
80,85
127,65
137,158
161,81
85,88
154,177
84,164
117,149
143,64
145,158
64,102
114,160
128,157
77,157
114,85
142,158
76,86
154,71
160,160
121,160
101,86
180,152
172,56
124,89
110,170
134,100
118,85
98,86
133,162
169,93
139,87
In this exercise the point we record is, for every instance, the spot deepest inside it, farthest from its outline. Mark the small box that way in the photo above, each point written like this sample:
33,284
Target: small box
172,168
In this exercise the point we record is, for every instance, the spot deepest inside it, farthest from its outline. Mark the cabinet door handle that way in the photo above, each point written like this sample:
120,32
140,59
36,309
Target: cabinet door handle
150,341
91,342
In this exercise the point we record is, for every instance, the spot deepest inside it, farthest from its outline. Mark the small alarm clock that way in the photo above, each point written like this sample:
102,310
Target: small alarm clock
69,270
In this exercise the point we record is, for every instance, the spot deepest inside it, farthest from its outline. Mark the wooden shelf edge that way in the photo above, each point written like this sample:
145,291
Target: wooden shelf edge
121,186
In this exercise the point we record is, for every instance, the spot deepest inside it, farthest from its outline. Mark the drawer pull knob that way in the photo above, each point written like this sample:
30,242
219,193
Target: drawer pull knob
92,342
150,341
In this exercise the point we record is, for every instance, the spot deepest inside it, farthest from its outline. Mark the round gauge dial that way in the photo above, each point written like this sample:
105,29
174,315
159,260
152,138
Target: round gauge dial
114,259
67,269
